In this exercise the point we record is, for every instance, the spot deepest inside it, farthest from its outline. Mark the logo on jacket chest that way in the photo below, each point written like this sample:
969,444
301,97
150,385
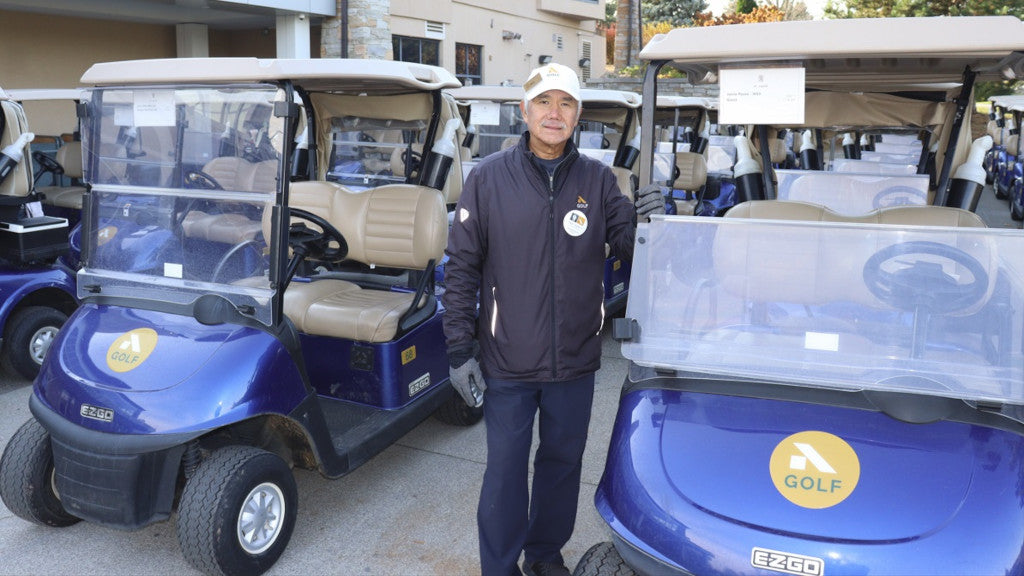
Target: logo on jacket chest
575,223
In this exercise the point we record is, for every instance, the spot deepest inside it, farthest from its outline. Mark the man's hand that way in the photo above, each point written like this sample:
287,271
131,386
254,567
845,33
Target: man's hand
468,381
650,200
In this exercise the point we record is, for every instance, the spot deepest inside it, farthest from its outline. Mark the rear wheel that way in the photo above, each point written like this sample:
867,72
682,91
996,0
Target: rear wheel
27,484
28,337
456,412
237,512
1017,209
998,188
602,560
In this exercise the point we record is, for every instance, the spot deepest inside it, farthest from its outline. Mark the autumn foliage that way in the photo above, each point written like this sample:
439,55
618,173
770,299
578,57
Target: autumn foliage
759,14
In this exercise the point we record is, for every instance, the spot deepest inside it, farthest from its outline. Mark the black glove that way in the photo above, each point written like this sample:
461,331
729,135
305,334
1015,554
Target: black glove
650,200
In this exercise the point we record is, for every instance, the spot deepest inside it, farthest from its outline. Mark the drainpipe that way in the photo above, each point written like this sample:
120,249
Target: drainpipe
344,28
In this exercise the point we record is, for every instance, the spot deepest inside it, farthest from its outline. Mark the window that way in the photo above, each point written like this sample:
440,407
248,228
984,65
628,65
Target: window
467,64
422,50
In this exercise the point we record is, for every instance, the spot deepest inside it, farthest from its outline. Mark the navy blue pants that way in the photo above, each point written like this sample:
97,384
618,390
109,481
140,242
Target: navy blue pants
511,518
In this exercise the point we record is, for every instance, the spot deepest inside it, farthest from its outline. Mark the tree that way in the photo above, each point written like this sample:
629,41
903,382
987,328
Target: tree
746,6
675,12
892,8
759,14
793,9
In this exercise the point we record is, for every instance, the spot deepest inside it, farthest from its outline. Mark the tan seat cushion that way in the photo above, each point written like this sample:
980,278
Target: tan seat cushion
341,309
226,228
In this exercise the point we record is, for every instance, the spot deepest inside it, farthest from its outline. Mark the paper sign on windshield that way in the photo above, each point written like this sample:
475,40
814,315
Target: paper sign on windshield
154,108
485,113
761,96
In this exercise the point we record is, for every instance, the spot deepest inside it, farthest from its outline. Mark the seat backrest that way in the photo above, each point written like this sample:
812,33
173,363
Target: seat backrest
779,277
693,171
231,172
993,130
777,150
627,180
14,123
1011,144
69,156
397,226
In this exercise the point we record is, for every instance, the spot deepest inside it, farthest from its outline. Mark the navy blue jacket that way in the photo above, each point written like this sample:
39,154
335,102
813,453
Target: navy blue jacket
534,249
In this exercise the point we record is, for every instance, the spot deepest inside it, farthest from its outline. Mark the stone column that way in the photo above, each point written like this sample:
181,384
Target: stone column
369,29
368,33
627,34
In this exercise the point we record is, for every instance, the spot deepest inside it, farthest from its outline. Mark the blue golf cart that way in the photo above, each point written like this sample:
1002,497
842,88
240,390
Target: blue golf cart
37,282
814,392
240,317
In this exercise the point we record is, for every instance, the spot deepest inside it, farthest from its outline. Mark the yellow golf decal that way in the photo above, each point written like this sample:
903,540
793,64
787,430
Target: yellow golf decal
131,349
105,234
814,469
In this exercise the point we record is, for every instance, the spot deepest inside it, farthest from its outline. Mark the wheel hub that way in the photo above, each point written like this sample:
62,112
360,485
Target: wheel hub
261,518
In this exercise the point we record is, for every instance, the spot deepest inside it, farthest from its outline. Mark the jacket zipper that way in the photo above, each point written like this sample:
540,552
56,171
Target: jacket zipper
551,271
552,230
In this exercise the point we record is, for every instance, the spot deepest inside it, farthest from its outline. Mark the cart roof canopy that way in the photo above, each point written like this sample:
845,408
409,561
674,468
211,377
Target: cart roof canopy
592,98
322,74
45,94
885,54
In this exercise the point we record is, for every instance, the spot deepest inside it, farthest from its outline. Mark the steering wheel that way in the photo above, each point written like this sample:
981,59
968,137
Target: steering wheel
233,253
920,284
199,180
47,163
313,244
412,161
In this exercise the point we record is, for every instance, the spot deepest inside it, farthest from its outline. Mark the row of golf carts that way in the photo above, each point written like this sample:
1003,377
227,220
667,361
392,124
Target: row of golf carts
826,380
1003,163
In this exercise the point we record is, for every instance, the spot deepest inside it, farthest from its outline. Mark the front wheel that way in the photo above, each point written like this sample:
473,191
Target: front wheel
237,512
27,485
27,338
602,560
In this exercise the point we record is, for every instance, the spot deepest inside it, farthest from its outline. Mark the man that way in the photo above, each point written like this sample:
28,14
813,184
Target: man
529,237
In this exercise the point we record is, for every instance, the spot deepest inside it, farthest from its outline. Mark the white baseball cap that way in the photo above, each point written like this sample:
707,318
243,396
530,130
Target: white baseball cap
552,76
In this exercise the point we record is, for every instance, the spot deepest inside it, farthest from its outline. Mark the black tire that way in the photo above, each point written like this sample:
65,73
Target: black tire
1016,213
456,412
27,338
998,190
26,478
602,560
210,514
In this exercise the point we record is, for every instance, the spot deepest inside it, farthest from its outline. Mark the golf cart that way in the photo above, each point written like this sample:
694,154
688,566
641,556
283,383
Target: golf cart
1010,172
239,317
37,281
606,132
820,393
1005,133
689,159
57,150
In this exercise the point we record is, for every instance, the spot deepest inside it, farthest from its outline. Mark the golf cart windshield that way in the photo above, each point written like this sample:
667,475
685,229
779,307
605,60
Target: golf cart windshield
933,310
181,177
